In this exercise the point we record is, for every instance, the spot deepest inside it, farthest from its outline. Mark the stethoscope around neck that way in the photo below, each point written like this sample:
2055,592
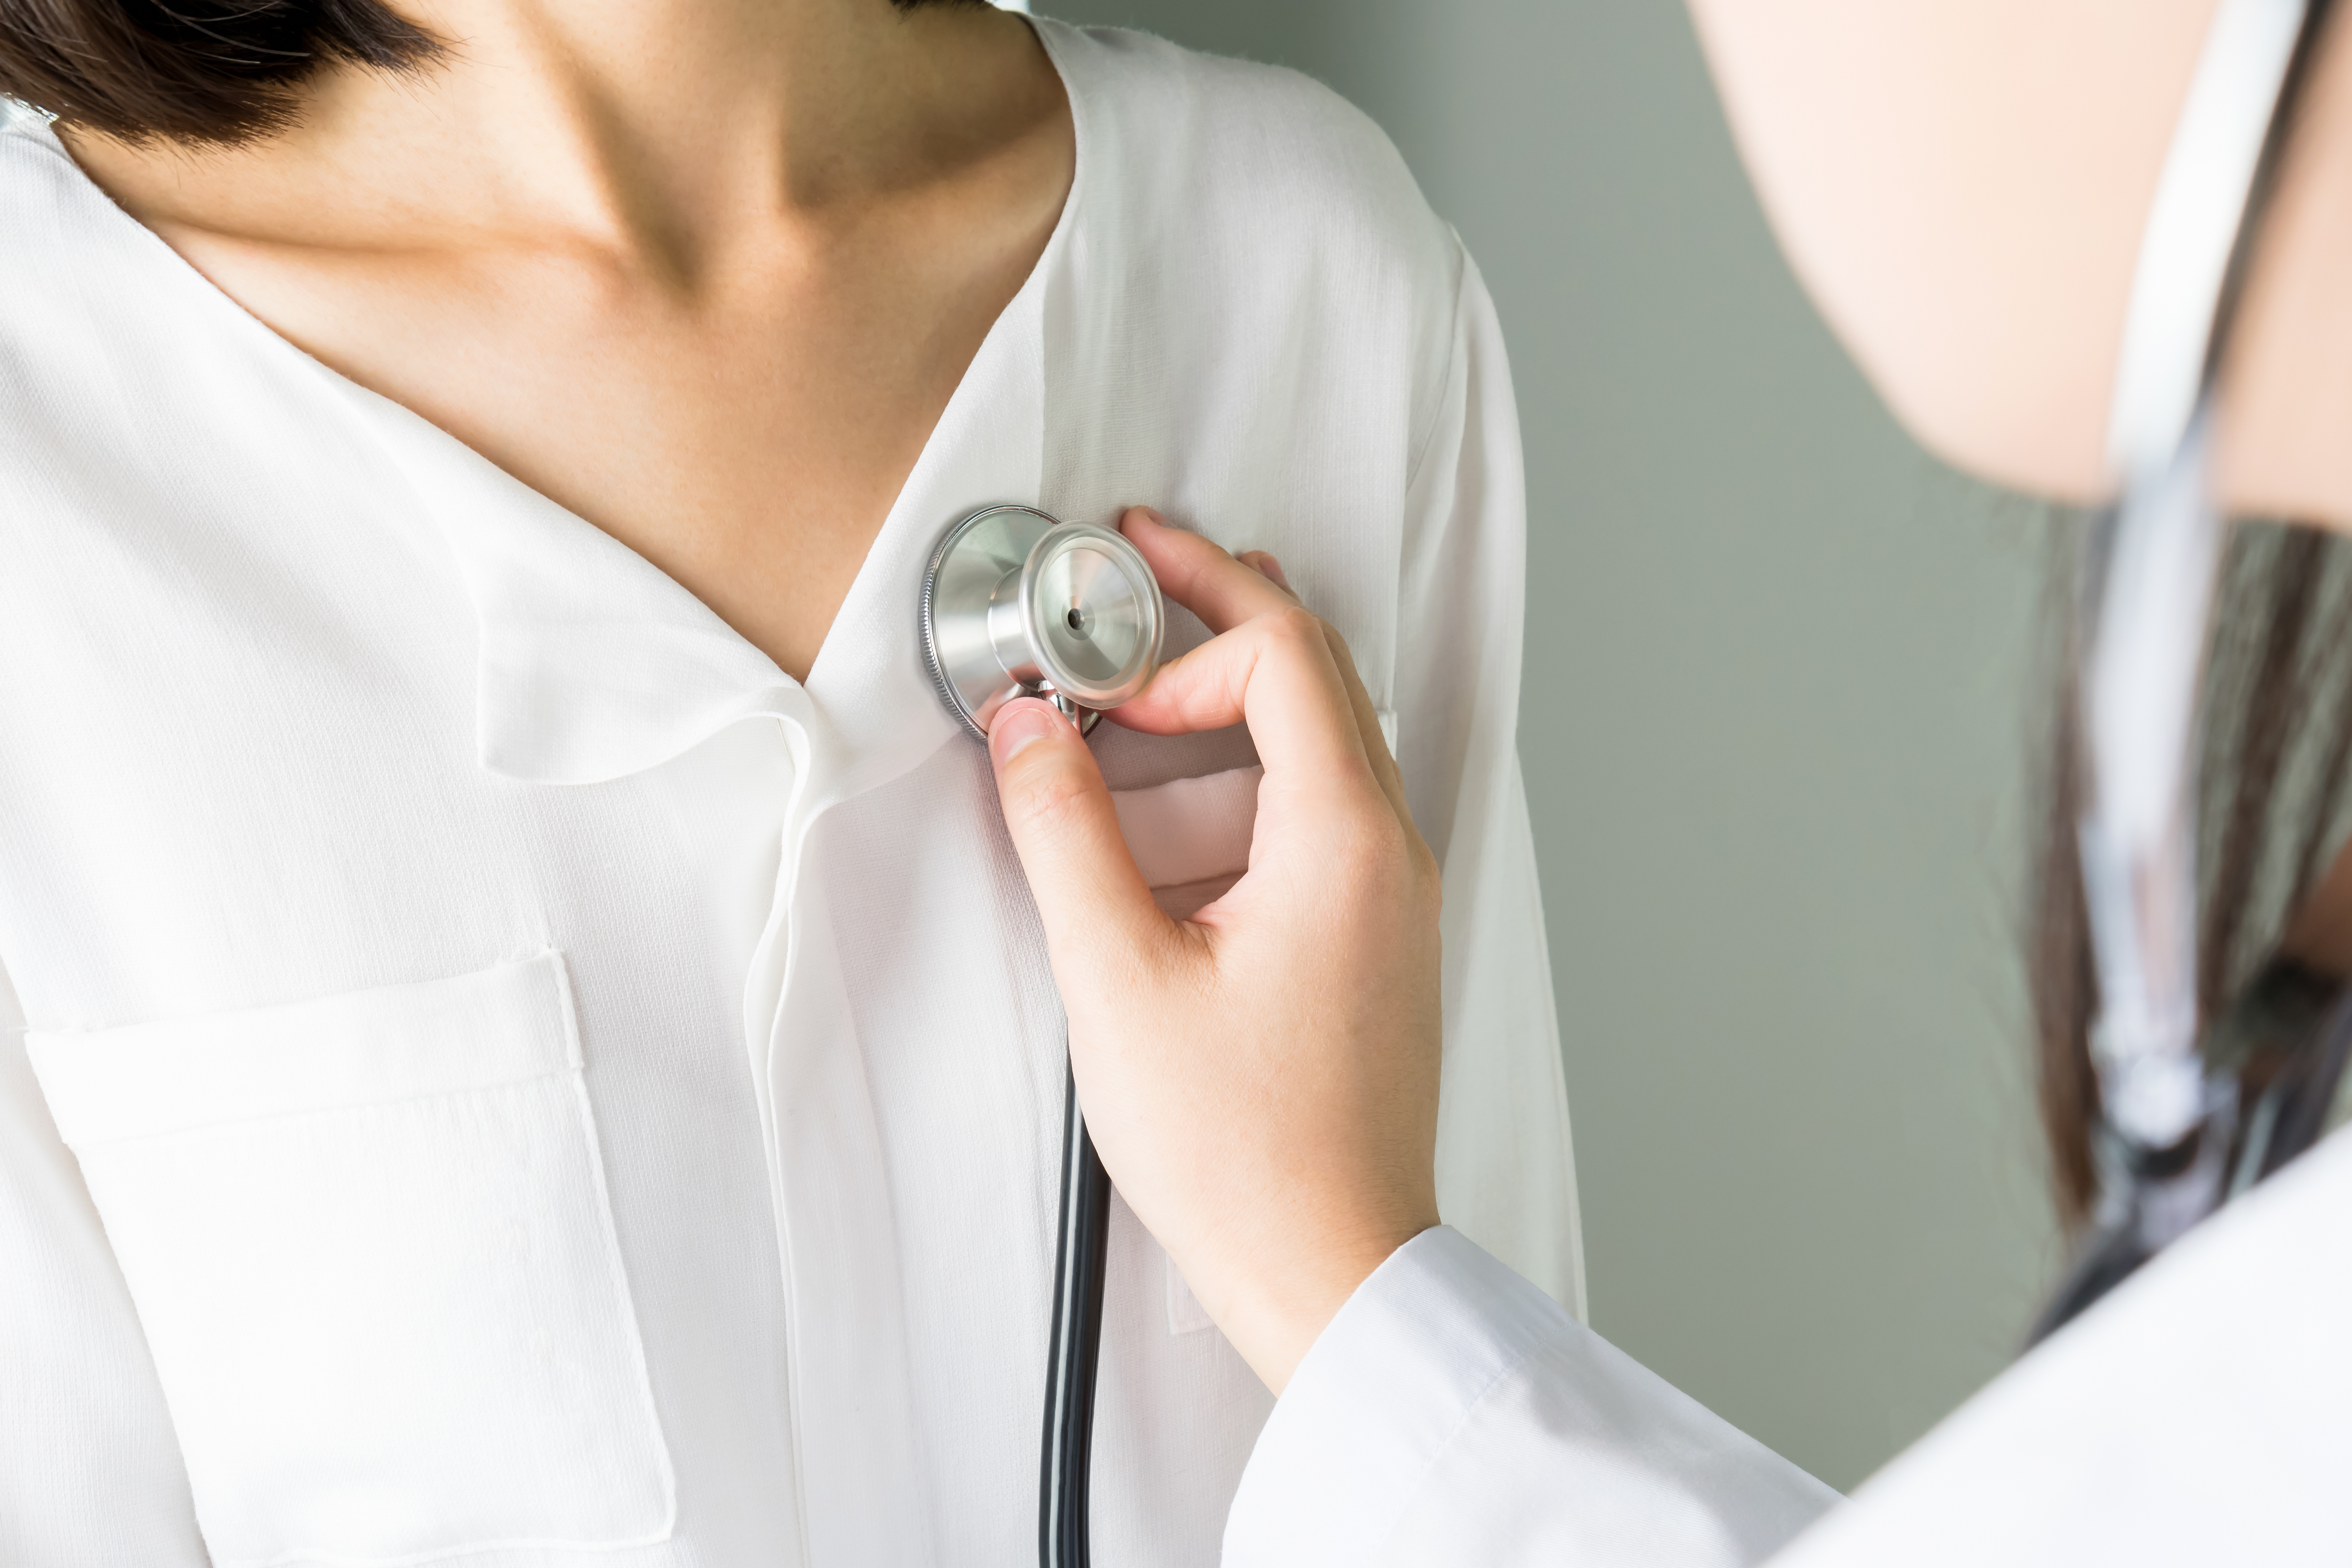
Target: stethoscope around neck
2177,1137
1016,604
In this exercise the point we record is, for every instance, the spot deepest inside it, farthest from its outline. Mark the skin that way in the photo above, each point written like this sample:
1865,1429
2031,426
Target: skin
1961,188
704,271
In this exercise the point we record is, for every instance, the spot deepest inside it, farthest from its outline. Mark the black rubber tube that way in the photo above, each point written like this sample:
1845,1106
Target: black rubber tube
1080,1246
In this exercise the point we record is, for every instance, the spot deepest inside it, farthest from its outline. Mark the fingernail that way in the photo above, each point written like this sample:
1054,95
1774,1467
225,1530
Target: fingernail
1022,724
1273,569
1148,515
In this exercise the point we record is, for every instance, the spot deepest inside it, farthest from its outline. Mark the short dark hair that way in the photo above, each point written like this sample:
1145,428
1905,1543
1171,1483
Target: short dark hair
196,70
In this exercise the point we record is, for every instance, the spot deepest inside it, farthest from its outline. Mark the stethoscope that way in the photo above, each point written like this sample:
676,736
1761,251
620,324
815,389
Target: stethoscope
2179,1138
1014,605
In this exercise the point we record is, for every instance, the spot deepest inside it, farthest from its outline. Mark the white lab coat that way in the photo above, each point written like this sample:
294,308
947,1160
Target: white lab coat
1450,1414
497,1072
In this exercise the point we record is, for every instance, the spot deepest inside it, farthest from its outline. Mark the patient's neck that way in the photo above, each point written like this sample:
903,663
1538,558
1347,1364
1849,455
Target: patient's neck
704,272
658,127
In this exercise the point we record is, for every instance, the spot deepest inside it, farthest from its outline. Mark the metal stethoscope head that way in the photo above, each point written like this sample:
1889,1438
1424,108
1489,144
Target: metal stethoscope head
1016,604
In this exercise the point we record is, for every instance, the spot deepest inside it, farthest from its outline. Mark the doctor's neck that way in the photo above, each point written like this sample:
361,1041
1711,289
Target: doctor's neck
654,126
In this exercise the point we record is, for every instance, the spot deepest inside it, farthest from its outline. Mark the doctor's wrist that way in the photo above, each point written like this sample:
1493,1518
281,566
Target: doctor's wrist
1274,1312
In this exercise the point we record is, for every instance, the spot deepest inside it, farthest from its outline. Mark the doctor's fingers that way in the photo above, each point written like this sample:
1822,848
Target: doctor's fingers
1092,898
1263,563
1227,592
1276,674
1200,575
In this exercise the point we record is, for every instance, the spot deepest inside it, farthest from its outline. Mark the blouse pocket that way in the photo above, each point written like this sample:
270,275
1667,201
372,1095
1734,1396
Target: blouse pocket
371,1250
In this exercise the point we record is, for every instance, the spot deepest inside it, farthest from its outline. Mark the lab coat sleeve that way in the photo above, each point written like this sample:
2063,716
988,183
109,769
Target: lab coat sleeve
89,1470
2199,1414
1453,1413
1505,1173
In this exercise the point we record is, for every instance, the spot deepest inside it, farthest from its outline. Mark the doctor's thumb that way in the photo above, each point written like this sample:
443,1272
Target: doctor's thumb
1059,813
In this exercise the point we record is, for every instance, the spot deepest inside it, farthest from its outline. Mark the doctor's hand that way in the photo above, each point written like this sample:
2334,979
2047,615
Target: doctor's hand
1261,1080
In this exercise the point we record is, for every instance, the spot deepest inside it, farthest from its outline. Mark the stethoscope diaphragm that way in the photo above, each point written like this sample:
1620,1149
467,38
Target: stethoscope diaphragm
1016,604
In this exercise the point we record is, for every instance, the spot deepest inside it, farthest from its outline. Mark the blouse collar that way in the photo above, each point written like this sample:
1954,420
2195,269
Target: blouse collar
593,664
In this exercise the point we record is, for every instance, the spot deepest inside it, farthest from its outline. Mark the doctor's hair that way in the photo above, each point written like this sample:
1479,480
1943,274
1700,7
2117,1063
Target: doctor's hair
2274,760
216,72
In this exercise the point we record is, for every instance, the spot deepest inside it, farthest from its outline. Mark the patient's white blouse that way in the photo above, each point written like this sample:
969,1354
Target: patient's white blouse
498,1073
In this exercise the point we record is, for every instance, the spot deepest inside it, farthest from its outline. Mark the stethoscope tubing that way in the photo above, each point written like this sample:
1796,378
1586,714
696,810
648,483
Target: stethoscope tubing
2171,1123
1081,1246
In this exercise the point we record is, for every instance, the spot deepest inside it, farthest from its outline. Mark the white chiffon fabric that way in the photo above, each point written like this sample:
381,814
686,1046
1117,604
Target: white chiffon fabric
493,1070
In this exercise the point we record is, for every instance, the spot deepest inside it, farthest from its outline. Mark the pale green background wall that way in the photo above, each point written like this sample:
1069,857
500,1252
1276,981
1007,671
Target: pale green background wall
1777,696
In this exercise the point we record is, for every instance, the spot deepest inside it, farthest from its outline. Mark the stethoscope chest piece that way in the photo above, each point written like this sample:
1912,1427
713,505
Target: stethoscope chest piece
1016,604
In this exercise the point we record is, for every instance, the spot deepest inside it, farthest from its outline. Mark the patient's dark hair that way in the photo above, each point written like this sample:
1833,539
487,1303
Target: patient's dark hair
2276,750
197,70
